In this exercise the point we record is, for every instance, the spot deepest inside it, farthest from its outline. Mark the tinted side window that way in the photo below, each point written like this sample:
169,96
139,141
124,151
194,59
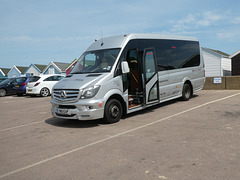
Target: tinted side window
170,54
178,54
149,64
49,79
58,78
14,80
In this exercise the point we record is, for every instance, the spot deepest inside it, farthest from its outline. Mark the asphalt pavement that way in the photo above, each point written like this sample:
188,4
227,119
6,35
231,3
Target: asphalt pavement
177,140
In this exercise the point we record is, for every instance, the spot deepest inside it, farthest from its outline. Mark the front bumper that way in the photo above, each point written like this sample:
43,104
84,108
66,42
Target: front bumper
85,109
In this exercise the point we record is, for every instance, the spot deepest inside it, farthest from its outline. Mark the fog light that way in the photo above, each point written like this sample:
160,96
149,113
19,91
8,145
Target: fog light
90,107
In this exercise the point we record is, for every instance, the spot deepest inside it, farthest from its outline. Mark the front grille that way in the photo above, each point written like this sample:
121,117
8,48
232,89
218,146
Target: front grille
66,95
67,106
66,115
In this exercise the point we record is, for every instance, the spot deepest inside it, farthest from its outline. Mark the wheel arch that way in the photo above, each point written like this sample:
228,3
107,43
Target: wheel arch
4,88
45,88
121,100
190,84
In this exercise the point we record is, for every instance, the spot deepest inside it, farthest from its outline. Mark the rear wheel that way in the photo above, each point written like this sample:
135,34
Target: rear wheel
113,111
2,92
44,92
187,92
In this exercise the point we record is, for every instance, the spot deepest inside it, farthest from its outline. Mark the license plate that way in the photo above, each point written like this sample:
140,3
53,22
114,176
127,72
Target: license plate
62,111
29,90
17,86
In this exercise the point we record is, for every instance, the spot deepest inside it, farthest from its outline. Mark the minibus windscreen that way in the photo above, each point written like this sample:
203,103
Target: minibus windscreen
96,61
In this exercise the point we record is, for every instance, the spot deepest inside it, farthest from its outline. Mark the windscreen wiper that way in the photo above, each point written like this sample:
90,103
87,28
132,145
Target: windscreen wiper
77,73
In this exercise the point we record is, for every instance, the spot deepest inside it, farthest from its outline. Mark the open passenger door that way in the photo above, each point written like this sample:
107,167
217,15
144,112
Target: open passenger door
151,77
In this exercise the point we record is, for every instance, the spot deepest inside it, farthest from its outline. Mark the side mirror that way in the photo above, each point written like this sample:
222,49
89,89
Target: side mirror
125,67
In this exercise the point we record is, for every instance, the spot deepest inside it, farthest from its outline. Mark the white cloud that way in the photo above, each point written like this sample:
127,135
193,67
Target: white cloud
191,18
17,38
231,36
225,35
209,18
205,22
208,15
197,20
236,20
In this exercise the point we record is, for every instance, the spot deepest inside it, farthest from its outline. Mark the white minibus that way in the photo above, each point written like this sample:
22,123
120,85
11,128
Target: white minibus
126,73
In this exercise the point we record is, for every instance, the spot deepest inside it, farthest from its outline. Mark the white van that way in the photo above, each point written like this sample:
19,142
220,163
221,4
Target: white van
126,73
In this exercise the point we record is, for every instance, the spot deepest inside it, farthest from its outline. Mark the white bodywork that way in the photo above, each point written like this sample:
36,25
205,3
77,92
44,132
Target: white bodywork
45,81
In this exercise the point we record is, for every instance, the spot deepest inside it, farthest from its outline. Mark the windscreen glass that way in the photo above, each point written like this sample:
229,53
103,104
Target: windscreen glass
96,61
6,81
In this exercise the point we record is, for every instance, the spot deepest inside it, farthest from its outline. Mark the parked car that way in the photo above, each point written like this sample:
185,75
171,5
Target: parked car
20,85
2,79
42,85
6,87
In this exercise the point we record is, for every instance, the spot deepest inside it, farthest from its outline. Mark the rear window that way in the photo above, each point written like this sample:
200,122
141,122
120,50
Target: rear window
34,79
19,80
53,78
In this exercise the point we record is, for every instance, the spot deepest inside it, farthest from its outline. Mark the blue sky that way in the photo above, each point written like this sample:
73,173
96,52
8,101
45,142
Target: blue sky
38,32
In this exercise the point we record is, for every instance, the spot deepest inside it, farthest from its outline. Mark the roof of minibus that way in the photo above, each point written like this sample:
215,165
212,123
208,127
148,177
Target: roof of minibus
120,41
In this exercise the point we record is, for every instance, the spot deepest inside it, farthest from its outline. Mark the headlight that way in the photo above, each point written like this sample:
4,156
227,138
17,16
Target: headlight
90,92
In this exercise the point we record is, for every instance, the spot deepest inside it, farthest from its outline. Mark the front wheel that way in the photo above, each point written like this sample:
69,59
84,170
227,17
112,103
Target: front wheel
44,92
112,111
187,92
2,92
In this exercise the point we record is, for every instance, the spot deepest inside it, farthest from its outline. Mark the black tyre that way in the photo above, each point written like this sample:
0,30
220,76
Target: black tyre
187,92
2,92
113,111
44,92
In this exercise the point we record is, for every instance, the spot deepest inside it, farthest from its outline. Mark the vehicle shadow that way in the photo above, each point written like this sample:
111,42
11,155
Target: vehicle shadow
71,123
35,96
27,96
152,108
